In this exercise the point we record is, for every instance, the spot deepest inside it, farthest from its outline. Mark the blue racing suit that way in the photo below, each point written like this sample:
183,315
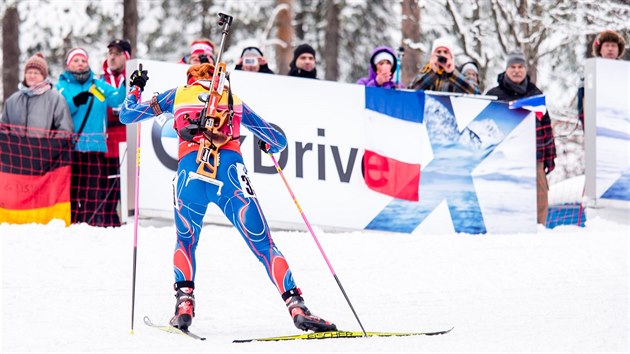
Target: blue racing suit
236,198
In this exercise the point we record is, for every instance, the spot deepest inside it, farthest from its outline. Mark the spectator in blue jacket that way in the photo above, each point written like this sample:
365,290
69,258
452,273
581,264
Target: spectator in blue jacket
382,69
88,98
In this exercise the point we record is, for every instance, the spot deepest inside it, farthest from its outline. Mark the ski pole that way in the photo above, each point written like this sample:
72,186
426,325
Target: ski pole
321,250
135,219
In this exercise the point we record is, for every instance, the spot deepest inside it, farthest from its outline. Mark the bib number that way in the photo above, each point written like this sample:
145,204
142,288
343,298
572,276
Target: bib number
246,187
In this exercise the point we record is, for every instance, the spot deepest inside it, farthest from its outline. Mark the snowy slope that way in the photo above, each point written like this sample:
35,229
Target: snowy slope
562,290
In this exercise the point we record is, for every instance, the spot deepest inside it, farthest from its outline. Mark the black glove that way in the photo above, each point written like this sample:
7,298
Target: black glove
263,146
549,165
139,78
81,98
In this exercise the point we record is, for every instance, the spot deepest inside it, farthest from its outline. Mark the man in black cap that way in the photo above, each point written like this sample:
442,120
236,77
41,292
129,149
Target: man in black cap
118,51
303,63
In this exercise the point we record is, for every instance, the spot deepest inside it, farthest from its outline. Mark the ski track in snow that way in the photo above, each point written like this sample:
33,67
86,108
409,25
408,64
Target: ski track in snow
563,290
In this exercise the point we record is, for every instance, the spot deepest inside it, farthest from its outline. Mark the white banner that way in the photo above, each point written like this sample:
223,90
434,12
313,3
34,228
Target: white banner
607,131
487,157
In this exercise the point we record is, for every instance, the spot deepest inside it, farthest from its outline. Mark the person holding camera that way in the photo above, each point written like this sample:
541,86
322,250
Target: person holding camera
252,59
382,69
440,74
201,52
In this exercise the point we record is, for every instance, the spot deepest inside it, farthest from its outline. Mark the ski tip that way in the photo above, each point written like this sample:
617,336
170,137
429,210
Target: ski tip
131,332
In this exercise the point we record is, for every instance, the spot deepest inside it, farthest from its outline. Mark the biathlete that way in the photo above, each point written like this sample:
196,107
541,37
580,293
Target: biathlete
230,190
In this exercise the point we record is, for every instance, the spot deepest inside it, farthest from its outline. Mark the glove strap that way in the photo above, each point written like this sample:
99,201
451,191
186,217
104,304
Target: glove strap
155,105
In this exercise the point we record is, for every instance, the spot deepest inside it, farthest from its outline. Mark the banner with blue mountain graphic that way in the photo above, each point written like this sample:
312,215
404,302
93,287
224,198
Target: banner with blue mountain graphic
477,162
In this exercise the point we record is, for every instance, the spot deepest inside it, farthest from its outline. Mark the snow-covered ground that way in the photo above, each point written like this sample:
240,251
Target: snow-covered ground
562,290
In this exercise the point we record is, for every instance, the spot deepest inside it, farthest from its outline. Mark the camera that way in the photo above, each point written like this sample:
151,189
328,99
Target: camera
250,61
441,59
203,59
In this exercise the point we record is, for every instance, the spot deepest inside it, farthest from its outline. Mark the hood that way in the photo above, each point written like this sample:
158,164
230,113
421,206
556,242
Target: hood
375,52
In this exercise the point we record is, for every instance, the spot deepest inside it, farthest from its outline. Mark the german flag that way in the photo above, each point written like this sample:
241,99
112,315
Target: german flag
35,175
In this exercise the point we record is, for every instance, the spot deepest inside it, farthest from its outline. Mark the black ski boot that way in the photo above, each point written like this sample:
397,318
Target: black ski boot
302,317
184,306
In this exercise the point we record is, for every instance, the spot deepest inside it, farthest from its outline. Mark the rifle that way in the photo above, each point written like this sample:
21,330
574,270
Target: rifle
211,119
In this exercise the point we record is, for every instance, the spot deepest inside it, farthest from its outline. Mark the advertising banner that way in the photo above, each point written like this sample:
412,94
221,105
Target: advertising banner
366,158
607,131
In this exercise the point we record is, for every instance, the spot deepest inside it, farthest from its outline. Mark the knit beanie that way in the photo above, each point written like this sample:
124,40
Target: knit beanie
516,57
301,49
38,62
442,43
608,36
202,46
470,66
252,52
75,52
384,55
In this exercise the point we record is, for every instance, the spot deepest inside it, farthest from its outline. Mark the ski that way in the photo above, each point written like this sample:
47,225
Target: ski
171,329
341,334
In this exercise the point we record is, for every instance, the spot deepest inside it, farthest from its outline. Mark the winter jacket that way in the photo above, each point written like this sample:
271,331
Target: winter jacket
93,135
445,82
47,111
116,131
261,69
370,80
545,145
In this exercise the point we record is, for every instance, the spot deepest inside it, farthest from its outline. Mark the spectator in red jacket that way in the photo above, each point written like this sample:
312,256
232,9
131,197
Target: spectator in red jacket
118,51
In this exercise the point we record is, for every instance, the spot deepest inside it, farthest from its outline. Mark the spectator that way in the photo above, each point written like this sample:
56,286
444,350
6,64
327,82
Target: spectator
252,59
608,45
382,69
440,74
514,84
304,62
35,104
470,70
201,51
88,99
118,51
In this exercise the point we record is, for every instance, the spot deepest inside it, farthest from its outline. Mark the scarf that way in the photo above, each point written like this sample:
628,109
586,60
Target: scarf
82,76
36,89
518,88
